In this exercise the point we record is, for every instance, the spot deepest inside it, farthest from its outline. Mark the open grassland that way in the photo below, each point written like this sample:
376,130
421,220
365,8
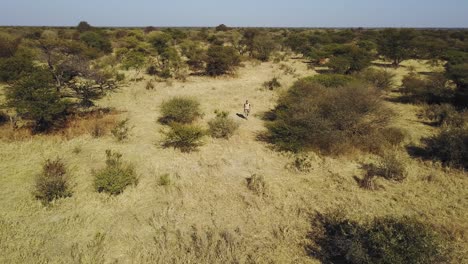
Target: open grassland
207,214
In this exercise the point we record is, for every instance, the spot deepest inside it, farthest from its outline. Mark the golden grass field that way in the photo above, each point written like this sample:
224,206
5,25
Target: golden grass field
207,214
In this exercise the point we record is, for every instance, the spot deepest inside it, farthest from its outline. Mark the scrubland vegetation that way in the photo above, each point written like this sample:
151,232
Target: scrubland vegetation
128,145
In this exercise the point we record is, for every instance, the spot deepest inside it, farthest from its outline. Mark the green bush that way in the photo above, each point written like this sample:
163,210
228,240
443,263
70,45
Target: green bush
381,79
431,90
53,183
35,97
222,126
312,117
390,167
381,240
13,68
331,80
116,176
180,109
450,147
184,137
121,131
97,40
443,114
221,60
165,180
394,136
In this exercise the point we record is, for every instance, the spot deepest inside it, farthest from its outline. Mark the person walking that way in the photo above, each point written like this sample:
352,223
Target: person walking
247,107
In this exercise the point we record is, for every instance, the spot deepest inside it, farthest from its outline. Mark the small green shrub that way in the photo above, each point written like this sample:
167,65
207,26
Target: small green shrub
450,147
222,126
121,131
272,84
180,109
165,180
443,114
394,136
53,183
184,137
390,167
381,240
116,176
432,90
257,184
331,80
381,79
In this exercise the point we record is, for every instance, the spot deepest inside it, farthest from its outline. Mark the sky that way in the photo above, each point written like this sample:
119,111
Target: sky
240,13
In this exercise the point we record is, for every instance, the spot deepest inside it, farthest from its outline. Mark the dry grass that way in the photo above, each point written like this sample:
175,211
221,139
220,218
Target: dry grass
206,215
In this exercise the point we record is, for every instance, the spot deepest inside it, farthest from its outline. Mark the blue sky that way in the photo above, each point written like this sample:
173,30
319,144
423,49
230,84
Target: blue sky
272,13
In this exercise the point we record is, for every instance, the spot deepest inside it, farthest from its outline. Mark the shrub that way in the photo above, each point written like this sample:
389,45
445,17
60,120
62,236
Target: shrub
312,117
165,180
121,130
222,126
221,60
381,79
53,183
13,68
116,176
257,184
181,110
97,40
393,136
392,167
432,90
184,137
443,114
382,240
331,80
450,147
272,84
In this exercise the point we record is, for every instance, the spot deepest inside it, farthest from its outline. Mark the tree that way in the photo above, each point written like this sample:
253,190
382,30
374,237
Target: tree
135,60
160,41
12,68
263,47
34,97
221,60
347,59
8,45
396,44
222,27
195,55
84,26
97,40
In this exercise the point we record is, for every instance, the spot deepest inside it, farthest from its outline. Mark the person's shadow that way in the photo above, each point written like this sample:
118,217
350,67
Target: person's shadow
241,116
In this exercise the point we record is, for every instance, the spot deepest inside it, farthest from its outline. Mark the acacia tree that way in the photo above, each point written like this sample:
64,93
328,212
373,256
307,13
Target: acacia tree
135,60
221,60
84,26
34,97
396,44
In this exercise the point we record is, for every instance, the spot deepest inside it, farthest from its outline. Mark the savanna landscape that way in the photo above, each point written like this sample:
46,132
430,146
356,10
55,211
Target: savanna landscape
131,145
